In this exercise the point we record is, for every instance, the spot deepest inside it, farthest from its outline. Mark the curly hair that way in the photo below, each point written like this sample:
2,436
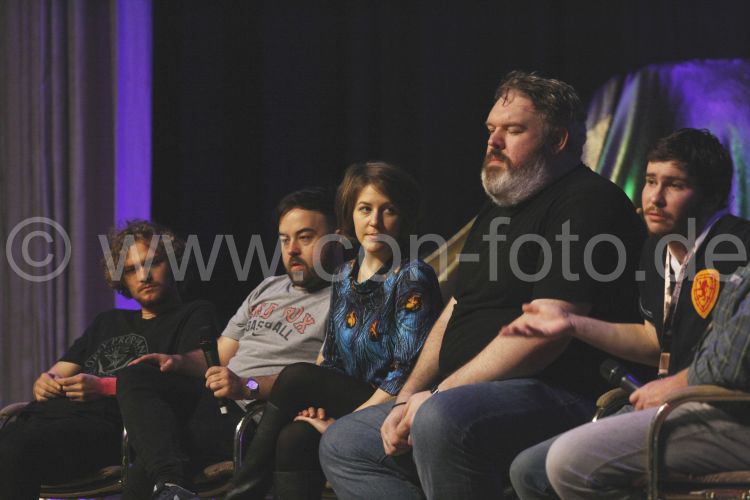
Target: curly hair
141,231
555,100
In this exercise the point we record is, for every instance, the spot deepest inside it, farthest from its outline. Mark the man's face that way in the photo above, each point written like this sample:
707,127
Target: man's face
669,199
299,231
149,287
514,166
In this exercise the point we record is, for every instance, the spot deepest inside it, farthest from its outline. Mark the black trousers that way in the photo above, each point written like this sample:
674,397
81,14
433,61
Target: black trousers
174,426
41,448
301,386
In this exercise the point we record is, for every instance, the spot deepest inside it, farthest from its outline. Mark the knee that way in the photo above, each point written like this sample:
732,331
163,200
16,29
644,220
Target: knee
352,438
527,472
292,384
335,444
434,424
138,375
295,375
562,458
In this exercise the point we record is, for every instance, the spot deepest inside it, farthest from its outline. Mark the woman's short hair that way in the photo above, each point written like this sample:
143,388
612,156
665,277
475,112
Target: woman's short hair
140,231
393,182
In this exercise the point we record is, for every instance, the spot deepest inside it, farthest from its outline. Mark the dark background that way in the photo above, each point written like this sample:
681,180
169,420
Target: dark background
254,99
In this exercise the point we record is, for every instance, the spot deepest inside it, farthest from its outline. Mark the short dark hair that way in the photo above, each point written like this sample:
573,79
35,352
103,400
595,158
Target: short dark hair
702,156
316,199
555,100
141,230
393,182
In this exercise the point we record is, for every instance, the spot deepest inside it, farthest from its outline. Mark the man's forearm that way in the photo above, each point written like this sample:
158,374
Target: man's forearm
193,363
507,357
631,341
427,367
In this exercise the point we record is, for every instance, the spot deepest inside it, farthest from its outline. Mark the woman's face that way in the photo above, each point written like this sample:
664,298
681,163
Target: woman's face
375,217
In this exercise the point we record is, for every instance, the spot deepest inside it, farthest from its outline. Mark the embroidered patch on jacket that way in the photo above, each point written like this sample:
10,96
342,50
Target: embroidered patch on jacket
705,291
373,333
413,303
351,319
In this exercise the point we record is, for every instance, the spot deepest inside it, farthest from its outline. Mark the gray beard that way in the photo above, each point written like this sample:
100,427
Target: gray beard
510,187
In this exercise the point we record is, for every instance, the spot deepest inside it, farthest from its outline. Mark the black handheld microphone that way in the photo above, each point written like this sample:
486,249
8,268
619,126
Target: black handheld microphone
211,353
616,375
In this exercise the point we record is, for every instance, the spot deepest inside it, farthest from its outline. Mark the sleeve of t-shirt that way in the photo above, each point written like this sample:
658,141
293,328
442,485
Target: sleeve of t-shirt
79,351
418,304
237,323
582,217
199,324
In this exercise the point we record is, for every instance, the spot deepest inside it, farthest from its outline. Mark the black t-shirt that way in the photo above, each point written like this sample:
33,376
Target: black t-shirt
117,337
580,203
699,292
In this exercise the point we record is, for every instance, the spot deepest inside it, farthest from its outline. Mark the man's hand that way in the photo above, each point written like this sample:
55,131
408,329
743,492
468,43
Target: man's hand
396,429
392,442
166,362
316,418
82,387
655,392
540,320
47,387
225,383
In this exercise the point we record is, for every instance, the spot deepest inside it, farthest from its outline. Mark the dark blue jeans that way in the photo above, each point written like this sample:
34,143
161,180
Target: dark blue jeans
463,441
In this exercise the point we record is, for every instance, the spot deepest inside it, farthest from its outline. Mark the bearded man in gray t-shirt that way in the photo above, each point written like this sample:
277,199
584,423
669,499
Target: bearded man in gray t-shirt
169,402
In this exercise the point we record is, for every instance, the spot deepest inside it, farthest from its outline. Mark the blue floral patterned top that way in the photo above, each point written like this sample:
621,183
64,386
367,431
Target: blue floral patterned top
376,328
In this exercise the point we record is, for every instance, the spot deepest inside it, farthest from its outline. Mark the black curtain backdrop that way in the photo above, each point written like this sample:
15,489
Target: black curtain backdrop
254,99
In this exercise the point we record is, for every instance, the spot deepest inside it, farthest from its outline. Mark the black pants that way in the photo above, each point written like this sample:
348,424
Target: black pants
174,426
41,448
301,386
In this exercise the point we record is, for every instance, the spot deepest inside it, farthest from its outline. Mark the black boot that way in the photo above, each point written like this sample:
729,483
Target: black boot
253,480
298,485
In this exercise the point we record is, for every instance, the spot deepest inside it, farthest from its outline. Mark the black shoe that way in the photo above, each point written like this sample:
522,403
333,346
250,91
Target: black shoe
168,491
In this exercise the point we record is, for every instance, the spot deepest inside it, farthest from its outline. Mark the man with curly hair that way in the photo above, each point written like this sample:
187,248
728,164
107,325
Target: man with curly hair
74,413
169,402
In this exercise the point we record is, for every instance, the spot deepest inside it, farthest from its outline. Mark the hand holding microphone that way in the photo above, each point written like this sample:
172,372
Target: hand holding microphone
211,353
617,376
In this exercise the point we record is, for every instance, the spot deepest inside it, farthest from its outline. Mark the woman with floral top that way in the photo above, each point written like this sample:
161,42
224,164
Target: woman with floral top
382,308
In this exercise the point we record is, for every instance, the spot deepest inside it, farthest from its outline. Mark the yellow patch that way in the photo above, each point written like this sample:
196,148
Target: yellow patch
351,319
705,291
413,303
374,330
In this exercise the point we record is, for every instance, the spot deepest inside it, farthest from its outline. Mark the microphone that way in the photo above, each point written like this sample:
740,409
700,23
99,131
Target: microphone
211,353
616,375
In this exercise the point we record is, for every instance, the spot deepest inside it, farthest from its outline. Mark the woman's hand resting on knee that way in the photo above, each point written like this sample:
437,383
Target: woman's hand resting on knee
316,418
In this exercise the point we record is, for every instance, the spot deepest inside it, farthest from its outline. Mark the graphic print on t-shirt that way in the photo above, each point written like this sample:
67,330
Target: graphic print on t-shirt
293,319
115,353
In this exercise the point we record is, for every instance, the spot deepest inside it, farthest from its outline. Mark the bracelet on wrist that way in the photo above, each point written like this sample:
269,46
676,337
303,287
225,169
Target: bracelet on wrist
398,404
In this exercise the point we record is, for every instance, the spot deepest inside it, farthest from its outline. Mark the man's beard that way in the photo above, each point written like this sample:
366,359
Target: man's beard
307,278
512,184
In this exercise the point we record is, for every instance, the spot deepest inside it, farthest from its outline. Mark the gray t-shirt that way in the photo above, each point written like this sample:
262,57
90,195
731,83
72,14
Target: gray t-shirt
277,325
